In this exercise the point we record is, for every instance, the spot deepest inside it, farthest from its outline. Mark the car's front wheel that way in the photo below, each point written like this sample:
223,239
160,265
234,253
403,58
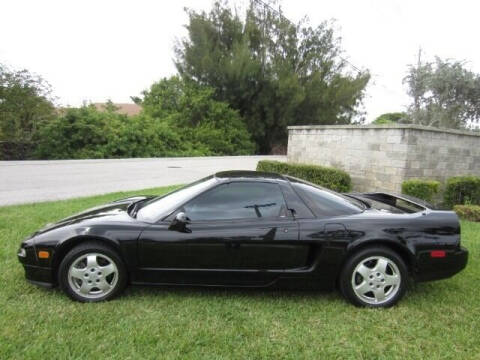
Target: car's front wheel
92,272
374,277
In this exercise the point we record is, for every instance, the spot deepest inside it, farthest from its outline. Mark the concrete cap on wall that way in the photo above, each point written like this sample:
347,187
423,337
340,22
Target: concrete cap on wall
384,127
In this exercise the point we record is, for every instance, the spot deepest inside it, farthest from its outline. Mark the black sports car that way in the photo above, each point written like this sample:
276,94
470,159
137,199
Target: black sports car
246,228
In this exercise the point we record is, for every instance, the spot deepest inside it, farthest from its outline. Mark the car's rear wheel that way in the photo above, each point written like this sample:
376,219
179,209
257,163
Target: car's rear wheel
92,272
374,277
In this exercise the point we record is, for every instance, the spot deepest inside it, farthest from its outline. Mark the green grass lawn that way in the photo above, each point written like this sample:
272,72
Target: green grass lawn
438,320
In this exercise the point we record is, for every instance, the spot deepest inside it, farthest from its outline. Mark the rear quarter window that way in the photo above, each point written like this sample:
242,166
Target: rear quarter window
325,203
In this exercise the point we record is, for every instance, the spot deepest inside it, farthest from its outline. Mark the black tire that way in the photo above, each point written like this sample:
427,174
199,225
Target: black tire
366,261
115,281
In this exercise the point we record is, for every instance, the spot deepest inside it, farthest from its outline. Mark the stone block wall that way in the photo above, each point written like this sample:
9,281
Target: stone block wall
382,157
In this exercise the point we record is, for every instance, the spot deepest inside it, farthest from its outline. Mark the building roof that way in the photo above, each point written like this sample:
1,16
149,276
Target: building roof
126,109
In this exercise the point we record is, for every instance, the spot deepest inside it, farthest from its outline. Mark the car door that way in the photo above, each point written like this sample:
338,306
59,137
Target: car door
238,233
330,230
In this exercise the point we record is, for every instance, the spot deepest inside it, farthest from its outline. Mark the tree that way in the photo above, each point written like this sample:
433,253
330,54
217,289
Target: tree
273,72
25,103
444,94
392,118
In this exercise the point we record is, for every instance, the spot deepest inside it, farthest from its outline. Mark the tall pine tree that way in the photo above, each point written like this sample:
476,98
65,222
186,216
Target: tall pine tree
273,72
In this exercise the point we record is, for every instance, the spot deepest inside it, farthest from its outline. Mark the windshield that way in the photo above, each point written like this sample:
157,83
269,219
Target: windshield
159,207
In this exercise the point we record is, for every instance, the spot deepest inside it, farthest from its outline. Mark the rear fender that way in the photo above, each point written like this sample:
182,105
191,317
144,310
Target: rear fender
406,252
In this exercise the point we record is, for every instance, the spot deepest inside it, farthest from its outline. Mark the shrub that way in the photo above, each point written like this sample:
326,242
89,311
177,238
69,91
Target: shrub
143,136
212,125
201,120
468,212
88,133
422,189
330,178
462,190
14,150
76,134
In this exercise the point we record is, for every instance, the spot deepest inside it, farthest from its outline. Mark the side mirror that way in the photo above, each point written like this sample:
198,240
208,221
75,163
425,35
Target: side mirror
181,217
180,223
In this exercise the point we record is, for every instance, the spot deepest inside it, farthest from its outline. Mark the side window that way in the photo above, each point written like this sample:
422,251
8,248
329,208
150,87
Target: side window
238,200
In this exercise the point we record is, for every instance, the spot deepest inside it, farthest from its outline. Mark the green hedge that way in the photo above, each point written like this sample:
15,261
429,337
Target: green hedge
468,212
84,133
462,190
422,189
330,178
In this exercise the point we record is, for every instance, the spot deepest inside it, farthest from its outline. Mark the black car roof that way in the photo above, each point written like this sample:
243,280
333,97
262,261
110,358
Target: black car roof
250,175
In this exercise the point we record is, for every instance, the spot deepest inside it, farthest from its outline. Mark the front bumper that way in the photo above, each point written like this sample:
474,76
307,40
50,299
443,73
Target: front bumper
36,273
39,275
429,268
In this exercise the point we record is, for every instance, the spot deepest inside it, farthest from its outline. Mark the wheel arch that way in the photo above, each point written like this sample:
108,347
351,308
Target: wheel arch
67,245
405,254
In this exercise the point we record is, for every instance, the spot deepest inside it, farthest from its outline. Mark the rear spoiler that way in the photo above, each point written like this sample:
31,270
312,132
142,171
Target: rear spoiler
392,198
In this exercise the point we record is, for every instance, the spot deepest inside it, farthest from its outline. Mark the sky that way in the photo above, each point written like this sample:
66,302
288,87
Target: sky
98,50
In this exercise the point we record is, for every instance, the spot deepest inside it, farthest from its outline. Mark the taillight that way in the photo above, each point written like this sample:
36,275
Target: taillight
438,253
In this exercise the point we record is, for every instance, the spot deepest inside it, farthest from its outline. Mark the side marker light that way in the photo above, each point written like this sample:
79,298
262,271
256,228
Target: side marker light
43,254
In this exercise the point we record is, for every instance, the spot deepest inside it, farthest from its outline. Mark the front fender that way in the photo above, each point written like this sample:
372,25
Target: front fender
121,238
65,246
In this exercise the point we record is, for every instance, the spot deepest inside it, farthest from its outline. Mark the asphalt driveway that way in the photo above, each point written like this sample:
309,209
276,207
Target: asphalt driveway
34,181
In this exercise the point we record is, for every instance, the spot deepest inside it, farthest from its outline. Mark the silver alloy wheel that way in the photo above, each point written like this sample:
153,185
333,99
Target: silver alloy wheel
93,275
376,280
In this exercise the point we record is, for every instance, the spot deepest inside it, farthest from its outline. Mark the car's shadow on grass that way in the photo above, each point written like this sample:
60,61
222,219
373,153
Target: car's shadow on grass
230,292
429,289
416,292
142,292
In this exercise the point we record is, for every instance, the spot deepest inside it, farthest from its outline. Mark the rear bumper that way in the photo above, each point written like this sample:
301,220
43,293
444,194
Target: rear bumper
429,268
